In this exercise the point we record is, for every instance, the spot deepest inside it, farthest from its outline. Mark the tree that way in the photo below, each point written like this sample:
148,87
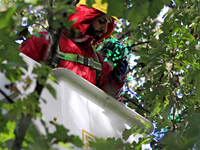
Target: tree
166,73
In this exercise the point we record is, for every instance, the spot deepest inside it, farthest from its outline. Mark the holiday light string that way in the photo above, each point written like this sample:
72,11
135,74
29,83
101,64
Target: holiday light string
128,89
177,120
179,116
115,50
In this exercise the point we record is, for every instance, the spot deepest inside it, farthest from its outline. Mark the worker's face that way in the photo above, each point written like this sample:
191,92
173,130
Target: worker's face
99,26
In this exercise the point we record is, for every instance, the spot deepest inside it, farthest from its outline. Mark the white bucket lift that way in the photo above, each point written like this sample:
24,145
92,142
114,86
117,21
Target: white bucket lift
84,109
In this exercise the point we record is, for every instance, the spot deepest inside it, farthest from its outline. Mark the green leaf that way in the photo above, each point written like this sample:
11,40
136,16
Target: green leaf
51,90
89,3
61,135
154,41
114,8
122,93
64,145
31,1
156,109
128,132
7,135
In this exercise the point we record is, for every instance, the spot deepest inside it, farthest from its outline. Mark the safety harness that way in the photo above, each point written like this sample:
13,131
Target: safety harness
90,62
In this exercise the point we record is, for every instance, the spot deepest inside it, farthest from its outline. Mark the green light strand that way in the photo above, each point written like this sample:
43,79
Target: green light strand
37,35
126,50
98,49
105,60
176,116
125,39
159,133
128,56
170,118
128,79
122,93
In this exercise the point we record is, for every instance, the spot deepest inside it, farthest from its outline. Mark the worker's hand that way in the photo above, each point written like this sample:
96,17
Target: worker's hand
119,70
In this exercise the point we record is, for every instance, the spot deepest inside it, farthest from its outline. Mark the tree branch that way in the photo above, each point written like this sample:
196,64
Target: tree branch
125,34
6,96
52,50
174,111
21,131
140,43
76,2
26,120
132,101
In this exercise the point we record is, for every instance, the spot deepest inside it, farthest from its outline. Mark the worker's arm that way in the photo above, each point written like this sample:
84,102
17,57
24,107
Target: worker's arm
108,81
35,47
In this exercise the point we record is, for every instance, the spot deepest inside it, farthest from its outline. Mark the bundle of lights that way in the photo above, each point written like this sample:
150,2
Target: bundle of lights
115,50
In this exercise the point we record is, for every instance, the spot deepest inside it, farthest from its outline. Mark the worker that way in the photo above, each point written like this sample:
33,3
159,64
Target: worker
94,26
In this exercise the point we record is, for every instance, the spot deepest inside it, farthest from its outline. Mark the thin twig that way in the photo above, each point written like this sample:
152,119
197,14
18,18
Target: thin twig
125,34
76,2
132,101
130,70
53,49
174,122
6,96
140,43
174,111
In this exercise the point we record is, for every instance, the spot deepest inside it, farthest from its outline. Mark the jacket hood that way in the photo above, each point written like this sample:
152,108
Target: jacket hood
85,17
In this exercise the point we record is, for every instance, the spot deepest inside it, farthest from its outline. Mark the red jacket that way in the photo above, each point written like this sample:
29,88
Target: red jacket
36,48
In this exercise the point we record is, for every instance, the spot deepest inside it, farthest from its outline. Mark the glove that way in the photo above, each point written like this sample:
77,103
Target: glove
119,70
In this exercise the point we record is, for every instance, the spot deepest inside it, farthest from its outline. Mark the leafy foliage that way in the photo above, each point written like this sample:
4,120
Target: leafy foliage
165,74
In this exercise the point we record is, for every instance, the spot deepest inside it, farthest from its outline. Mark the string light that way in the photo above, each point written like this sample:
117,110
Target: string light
115,50
170,118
